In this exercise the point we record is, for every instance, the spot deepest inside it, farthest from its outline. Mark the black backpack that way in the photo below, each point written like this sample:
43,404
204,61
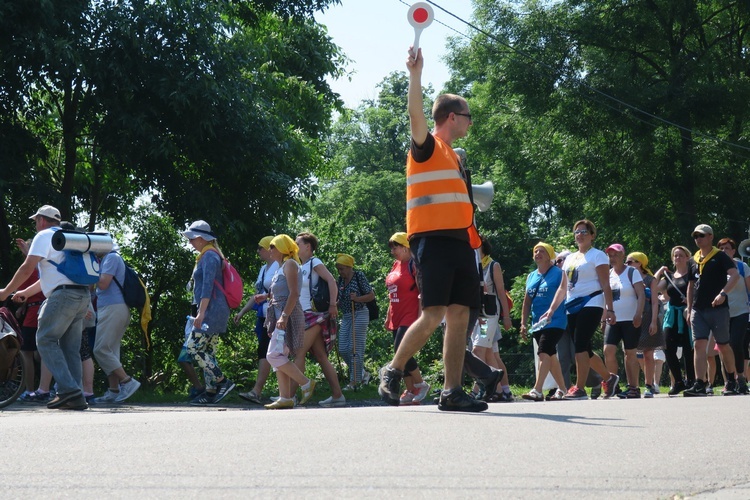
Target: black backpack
133,290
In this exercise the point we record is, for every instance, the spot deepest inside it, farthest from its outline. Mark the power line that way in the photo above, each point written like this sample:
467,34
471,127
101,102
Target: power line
582,83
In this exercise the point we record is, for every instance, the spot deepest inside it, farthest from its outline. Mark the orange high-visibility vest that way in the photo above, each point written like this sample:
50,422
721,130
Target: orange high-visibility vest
436,195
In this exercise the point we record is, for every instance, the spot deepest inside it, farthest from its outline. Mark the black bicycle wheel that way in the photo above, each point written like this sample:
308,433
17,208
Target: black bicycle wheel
11,381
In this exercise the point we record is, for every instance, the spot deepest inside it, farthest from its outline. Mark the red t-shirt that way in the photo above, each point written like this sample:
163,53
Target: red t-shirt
32,311
404,296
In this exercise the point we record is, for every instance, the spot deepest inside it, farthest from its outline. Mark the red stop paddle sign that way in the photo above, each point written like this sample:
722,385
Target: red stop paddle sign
420,16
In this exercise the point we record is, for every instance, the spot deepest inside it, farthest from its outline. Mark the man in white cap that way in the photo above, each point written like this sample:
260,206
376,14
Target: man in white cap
61,316
715,276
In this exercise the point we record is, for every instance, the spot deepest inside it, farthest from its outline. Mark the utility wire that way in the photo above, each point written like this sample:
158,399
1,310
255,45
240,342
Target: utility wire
582,83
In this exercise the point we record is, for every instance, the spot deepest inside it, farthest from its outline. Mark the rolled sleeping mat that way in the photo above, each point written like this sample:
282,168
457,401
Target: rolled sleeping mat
82,242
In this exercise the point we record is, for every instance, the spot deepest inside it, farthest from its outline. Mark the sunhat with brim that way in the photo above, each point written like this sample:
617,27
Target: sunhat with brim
199,229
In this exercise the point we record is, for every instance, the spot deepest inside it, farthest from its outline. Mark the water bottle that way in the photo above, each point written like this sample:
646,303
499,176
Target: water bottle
539,325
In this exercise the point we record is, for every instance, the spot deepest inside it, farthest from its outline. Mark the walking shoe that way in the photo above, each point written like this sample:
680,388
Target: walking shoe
42,397
479,394
655,389
559,395
649,393
742,385
223,388
633,393
490,383
423,389
33,397
596,391
62,399
609,386
70,401
698,390
407,398
205,399
127,389
458,400
730,388
709,390
390,385
503,397
366,378
281,405
107,398
331,402
250,396
574,393
307,393
533,395
677,388
551,394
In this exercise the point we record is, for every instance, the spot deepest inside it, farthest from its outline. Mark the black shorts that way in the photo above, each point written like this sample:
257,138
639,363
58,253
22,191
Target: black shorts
28,337
447,271
582,326
547,340
263,341
622,331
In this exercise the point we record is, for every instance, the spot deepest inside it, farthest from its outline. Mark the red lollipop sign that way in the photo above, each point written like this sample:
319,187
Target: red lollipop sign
420,16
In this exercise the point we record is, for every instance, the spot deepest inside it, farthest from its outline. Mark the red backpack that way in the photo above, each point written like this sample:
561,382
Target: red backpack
232,288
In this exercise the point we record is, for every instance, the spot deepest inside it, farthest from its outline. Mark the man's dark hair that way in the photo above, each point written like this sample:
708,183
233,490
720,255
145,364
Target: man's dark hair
445,104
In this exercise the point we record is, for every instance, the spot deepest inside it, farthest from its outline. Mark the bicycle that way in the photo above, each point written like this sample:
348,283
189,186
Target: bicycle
11,361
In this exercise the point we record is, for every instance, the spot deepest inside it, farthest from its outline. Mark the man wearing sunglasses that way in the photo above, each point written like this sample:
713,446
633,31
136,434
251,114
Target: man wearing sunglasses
716,275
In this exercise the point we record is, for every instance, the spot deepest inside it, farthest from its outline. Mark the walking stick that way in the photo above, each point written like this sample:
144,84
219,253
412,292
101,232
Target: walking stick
354,347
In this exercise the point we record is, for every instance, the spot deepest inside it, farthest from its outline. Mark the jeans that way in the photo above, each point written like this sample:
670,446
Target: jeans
59,336
346,347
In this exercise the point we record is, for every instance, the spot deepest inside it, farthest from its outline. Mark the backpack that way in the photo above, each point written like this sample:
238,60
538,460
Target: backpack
79,267
232,288
132,288
320,295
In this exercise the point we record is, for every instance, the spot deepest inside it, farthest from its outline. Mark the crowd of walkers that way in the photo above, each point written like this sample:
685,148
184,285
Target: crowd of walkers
687,314
691,312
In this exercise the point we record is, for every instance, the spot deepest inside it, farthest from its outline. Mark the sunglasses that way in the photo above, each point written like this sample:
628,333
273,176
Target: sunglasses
631,262
559,261
698,236
581,231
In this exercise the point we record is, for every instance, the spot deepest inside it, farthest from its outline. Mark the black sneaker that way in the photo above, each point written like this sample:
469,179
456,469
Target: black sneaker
458,400
698,390
222,389
204,399
742,385
390,385
677,388
490,383
730,388
596,391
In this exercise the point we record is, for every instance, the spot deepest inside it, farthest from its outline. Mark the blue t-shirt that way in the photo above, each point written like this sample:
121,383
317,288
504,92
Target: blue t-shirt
112,264
548,285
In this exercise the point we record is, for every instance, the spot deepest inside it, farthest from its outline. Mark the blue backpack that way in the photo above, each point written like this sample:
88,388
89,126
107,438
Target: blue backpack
81,268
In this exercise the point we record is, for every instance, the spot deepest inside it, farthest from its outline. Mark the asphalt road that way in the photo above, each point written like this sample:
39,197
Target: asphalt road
659,448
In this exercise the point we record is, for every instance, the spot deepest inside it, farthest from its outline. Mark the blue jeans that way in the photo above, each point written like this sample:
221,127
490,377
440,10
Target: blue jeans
58,337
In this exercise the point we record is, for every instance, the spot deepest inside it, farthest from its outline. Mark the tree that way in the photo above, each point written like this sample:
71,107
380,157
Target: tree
625,113
190,103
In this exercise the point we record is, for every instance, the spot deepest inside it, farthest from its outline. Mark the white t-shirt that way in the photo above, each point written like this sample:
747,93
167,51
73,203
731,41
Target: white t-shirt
304,297
582,278
624,300
50,277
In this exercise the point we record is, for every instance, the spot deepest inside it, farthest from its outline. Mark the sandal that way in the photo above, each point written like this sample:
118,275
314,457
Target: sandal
533,395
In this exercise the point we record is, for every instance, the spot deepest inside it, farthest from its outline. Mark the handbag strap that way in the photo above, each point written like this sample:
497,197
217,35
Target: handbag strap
674,285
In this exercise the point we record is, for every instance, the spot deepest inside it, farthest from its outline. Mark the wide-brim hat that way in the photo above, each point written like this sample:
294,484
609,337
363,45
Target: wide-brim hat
199,229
